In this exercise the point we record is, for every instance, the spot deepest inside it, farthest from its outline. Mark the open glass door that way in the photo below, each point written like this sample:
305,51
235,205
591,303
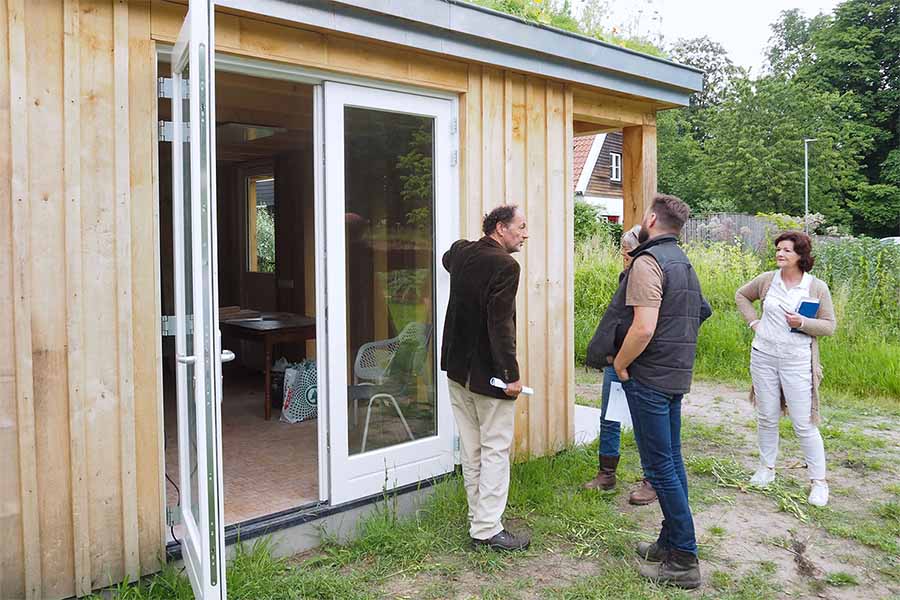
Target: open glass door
390,179
197,341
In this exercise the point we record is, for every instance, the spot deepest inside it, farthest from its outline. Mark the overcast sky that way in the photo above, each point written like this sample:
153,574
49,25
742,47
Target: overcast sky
741,27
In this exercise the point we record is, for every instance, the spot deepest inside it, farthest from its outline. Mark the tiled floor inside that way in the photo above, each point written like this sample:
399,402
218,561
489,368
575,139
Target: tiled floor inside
269,466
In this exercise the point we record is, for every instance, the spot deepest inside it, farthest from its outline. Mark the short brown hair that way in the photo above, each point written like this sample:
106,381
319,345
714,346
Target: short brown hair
671,211
504,213
802,246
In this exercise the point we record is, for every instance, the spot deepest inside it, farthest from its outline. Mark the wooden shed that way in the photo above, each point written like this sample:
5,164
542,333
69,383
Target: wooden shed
276,180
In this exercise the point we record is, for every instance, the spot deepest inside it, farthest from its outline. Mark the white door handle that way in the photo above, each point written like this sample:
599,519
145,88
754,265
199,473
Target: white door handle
186,360
227,356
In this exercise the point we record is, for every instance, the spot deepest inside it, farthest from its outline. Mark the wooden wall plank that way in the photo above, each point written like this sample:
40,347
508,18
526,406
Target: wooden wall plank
145,289
81,540
638,171
493,179
570,266
101,316
124,325
558,248
472,152
536,317
12,559
516,193
46,193
21,306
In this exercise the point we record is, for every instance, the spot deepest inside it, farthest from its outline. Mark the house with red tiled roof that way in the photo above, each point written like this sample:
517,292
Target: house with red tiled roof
597,164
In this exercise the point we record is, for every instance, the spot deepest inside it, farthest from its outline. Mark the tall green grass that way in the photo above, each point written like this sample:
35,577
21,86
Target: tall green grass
862,358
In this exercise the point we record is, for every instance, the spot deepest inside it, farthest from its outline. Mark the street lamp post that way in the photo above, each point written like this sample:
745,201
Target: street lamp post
806,142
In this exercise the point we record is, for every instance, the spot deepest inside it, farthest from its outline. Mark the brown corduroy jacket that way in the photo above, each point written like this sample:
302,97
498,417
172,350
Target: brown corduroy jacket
480,327
823,325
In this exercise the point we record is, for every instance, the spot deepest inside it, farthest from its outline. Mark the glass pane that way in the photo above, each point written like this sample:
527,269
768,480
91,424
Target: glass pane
389,208
261,223
193,494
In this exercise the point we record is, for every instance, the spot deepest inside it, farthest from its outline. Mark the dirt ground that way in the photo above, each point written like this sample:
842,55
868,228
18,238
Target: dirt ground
740,532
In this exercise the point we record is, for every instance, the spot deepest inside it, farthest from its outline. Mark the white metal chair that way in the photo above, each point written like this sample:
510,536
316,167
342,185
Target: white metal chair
375,366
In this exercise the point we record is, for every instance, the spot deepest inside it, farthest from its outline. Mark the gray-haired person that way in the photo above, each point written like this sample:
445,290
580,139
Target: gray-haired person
479,344
610,431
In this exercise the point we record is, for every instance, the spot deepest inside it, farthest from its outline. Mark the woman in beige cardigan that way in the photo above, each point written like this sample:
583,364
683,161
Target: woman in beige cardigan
784,357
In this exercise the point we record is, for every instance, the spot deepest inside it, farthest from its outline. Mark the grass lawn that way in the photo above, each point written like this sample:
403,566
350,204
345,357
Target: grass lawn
754,543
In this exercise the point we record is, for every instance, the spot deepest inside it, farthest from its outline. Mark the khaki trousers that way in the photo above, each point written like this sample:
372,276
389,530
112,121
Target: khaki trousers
486,427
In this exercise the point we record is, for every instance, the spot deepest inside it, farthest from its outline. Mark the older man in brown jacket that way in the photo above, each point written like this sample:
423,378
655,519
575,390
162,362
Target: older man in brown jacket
479,344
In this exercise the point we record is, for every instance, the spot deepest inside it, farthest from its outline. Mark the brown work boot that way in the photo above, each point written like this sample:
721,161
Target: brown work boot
642,495
606,474
679,568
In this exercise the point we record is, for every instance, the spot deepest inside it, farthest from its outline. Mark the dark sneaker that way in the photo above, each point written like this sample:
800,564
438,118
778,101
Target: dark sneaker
505,540
642,495
651,552
681,569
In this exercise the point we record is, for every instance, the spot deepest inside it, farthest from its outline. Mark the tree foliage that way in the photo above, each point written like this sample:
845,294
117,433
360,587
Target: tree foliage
831,77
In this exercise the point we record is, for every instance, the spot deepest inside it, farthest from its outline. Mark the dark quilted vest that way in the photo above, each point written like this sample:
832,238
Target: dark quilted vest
667,363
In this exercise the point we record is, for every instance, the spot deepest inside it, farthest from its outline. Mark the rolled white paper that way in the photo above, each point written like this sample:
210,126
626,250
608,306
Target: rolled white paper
499,383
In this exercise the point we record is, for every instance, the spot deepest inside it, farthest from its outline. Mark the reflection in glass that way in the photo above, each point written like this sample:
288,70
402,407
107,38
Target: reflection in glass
194,493
389,207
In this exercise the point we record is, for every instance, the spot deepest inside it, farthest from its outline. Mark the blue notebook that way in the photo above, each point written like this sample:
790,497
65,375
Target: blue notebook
808,308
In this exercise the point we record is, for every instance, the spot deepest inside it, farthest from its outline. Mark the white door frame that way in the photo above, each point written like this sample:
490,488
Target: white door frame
198,368
448,212
365,474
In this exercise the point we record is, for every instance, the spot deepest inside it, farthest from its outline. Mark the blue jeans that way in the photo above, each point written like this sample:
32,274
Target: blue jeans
610,431
657,427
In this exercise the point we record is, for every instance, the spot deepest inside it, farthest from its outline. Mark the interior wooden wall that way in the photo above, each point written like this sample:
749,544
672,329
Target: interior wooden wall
81,495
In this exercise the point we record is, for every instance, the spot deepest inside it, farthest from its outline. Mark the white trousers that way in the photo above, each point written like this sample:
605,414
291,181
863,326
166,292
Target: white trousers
771,375
486,428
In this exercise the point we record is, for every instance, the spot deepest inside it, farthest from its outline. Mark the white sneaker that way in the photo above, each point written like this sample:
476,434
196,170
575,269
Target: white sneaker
818,493
763,477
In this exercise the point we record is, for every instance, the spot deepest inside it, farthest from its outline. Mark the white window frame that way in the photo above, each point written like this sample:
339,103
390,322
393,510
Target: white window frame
615,166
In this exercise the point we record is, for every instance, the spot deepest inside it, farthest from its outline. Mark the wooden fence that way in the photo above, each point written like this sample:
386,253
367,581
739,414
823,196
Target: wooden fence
748,230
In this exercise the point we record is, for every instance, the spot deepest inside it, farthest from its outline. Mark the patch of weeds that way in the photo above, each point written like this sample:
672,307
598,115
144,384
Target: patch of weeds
586,401
717,531
861,463
436,590
890,511
768,567
623,583
507,590
893,489
840,438
841,579
704,435
891,571
721,580
789,496
859,526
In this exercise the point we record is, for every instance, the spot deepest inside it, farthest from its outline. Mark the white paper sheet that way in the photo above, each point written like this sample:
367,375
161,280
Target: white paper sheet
617,408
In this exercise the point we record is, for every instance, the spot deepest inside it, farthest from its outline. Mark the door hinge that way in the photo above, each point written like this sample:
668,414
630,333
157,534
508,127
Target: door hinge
173,515
453,126
165,88
454,158
168,324
167,132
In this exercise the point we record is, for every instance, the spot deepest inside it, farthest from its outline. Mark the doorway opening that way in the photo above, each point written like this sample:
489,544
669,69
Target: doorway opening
266,240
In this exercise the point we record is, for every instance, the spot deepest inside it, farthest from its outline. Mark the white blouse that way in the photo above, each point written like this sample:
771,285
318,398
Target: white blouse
773,334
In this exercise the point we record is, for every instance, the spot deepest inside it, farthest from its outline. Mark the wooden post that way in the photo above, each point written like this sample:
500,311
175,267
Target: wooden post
638,170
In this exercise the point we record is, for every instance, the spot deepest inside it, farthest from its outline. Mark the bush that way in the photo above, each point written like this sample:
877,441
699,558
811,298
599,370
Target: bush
587,221
863,357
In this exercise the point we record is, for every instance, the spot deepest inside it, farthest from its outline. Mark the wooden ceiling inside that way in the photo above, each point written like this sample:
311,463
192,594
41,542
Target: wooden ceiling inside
259,102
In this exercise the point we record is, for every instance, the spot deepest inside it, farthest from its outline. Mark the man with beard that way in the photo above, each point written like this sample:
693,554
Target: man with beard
649,334
479,344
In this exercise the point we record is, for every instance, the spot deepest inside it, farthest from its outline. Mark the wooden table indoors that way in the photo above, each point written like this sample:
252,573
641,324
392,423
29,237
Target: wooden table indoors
272,328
